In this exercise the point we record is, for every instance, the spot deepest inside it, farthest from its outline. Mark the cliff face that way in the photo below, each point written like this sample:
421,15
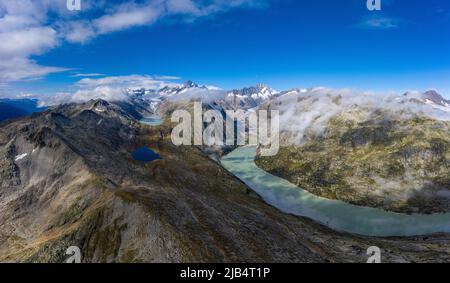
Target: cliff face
68,179
380,160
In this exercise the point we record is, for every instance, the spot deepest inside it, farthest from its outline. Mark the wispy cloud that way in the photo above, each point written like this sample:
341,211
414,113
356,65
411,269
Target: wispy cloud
29,27
25,32
380,23
129,14
119,88
168,78
135,81
24,69
112,88
81,75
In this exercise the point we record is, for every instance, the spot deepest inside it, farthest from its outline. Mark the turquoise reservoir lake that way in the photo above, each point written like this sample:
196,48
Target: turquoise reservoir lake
335,214
151,121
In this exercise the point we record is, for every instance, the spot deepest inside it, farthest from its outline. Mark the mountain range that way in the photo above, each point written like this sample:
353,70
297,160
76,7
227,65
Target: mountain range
13,108
252,97
68,179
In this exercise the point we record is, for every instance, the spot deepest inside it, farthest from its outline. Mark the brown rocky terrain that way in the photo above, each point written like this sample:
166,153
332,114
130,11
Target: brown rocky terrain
67,179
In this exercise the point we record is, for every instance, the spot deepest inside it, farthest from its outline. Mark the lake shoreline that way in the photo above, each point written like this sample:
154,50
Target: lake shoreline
337,215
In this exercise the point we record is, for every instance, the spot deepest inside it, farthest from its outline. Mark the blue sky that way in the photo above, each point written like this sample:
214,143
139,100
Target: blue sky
236,43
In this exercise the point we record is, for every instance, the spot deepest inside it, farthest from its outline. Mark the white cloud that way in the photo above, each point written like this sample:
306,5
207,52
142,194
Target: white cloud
131,81
10,23
31,27
130,14
182,7
78,31
23,33
114,88
127,17
101,92
119,88
124,18
308,112
19,69
26,42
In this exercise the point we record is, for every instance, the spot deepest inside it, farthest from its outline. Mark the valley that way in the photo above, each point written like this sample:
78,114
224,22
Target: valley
338,215
225,136
76,184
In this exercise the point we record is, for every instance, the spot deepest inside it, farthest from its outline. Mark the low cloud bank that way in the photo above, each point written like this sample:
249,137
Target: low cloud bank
302,112
309,111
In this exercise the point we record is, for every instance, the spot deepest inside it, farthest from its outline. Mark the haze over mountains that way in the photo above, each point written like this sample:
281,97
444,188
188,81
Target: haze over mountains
13,108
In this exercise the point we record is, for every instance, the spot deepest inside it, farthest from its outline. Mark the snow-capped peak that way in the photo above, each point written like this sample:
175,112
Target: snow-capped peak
436,98
250,97
431,97
181,88
258,92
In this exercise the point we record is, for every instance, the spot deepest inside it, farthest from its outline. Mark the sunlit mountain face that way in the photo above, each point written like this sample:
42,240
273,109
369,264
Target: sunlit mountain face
185,131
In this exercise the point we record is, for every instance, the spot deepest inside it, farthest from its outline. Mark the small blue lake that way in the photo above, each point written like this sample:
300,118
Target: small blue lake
145,154
151,121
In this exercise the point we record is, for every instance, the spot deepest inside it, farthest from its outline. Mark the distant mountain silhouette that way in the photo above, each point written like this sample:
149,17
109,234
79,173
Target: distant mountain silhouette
14,108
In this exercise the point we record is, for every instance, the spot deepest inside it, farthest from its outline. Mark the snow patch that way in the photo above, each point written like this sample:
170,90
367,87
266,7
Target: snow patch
20,157
100,110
